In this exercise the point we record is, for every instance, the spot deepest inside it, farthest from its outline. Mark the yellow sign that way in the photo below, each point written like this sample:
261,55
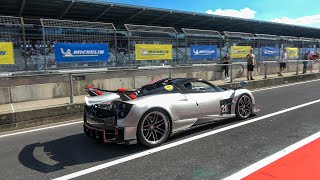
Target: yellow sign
6,53
292,52
240,51
153,51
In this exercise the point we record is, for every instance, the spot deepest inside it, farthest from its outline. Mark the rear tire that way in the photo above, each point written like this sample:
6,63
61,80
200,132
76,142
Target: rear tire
153,128
244,107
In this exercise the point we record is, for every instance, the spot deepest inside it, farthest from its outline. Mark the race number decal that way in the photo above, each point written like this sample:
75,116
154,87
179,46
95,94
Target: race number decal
225,106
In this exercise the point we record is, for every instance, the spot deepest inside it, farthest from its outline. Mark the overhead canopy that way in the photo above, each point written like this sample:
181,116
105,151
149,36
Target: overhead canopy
120,14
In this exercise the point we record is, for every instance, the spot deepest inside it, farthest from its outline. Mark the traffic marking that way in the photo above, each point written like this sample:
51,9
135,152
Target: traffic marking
298,161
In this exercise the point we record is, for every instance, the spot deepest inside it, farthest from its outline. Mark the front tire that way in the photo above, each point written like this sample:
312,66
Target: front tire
153,128
244,107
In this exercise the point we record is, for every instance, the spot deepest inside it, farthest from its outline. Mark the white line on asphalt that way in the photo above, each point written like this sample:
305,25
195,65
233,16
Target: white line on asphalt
183,141
268,160
292,84
40,129
78,122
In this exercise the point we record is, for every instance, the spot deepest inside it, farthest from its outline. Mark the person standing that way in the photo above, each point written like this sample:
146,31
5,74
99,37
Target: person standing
226,60
306,57
251,62
283,61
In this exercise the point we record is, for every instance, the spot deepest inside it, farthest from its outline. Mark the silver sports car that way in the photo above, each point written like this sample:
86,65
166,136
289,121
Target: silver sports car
155,111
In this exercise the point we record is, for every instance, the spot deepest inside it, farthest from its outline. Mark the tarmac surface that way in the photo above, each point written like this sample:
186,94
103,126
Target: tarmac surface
55,152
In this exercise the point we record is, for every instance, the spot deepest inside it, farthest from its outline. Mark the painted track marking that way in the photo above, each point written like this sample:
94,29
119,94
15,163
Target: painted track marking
268,160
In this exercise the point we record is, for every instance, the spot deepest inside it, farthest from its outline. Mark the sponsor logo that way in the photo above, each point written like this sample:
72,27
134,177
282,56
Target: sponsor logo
81,53
3,53
145,52
269,52
198,52
240,51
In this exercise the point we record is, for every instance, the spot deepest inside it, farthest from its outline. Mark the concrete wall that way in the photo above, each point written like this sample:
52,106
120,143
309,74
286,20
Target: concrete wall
39,87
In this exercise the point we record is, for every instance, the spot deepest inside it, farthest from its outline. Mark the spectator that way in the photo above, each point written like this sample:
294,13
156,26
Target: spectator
306,57
283,61
251,62
226,60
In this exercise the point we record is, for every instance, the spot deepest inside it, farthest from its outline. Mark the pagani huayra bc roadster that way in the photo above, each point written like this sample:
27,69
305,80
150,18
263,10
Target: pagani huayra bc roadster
150,114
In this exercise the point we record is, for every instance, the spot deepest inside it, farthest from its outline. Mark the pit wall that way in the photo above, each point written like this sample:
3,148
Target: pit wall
50,86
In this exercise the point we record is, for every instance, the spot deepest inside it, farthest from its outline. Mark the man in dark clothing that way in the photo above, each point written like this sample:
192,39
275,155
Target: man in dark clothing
305,62
226,60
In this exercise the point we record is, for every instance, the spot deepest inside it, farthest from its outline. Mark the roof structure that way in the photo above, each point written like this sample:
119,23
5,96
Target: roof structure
120,14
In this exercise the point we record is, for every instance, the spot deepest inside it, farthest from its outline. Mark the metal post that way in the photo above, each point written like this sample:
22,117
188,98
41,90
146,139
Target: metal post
259,49
177,54
45,49
71,88
220,49
265,70
129,51
185,49
24,44
231,77
116,47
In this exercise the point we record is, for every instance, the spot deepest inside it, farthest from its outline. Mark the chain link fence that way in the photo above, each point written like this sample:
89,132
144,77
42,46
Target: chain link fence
147,35
12,38
197,37
34,40
234,39
65,31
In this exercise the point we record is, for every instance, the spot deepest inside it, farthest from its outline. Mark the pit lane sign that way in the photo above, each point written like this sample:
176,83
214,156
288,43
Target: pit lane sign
78,52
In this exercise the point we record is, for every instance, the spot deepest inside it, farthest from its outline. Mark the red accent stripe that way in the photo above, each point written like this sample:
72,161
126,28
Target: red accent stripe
304,163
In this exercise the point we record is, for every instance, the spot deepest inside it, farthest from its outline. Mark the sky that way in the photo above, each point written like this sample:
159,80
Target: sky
297,12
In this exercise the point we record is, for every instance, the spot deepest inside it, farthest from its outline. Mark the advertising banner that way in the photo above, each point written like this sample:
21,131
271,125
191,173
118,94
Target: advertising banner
269,51
6,53
78,52
312,50
153,51
203,52
292,52
239,51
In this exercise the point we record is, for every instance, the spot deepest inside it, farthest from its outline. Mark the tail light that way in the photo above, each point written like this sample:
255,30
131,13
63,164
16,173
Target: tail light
122,109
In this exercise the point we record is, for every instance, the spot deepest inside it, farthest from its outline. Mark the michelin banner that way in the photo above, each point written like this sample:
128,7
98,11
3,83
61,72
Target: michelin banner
78,52
203,52
312,50
153,51
240,51
269,51
292,52
6,53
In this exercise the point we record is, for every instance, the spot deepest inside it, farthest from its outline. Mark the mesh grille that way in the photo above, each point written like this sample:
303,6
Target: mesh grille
289,38
7,20
76,24
238,34
267,37
157,29
193,32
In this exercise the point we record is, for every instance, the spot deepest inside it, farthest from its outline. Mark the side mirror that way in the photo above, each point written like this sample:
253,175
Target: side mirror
243,83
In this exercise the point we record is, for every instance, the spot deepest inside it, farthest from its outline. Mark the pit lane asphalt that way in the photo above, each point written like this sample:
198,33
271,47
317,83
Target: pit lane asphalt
56,152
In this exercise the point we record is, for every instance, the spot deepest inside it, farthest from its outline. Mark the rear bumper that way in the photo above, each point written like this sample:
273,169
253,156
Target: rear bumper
116,136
